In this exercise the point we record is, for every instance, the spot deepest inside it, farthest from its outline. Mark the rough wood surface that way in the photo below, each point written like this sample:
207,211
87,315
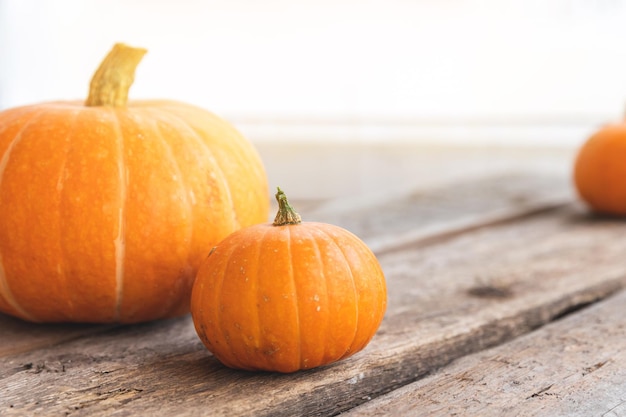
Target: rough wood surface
575,367
422,215
453,296
19,336
387,222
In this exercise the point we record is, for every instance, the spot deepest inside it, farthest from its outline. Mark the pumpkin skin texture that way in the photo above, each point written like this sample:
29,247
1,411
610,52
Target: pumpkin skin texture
106,212
288,297
600,170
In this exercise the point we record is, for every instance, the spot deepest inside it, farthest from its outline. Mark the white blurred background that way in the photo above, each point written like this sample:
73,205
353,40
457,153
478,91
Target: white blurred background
499,72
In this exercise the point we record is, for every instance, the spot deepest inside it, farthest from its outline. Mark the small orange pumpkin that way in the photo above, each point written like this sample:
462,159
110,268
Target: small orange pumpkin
106,207
600,170
288,296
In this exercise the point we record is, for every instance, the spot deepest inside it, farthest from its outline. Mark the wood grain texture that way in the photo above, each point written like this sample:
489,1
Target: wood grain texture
572,367
19,336
448,299
388,222
423,216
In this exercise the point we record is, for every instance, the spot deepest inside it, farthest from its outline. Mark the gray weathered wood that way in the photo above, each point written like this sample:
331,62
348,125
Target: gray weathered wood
387,222
19,336
421,216
575,367
447,299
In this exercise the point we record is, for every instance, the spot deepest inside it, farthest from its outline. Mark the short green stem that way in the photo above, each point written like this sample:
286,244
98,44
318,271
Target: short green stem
286,214
112,80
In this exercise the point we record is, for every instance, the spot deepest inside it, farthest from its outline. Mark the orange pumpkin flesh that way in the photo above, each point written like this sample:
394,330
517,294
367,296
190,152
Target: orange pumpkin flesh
106,211
600,170
288,296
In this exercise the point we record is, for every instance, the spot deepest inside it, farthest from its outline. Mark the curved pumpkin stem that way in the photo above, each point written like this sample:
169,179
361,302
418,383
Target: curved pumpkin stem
286,214
112,80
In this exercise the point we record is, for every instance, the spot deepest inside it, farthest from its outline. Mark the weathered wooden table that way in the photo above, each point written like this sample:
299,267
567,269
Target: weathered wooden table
505,298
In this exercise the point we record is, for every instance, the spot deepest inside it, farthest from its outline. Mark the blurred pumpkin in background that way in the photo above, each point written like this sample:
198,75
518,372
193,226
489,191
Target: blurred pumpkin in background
108,207
600,170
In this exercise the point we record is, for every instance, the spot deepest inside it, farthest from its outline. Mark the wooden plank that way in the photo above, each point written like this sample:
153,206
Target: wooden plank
572,367
421,215
388,222
446,300
19,336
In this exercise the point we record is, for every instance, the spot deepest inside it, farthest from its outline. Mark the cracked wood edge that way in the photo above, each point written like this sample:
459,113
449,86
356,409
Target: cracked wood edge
572,367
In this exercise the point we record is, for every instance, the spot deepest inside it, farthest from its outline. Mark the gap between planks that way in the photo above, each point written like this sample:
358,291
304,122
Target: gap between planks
572,367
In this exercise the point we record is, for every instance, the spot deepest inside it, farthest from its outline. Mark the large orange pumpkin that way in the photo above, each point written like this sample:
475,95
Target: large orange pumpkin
600,170
107,208
288,296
